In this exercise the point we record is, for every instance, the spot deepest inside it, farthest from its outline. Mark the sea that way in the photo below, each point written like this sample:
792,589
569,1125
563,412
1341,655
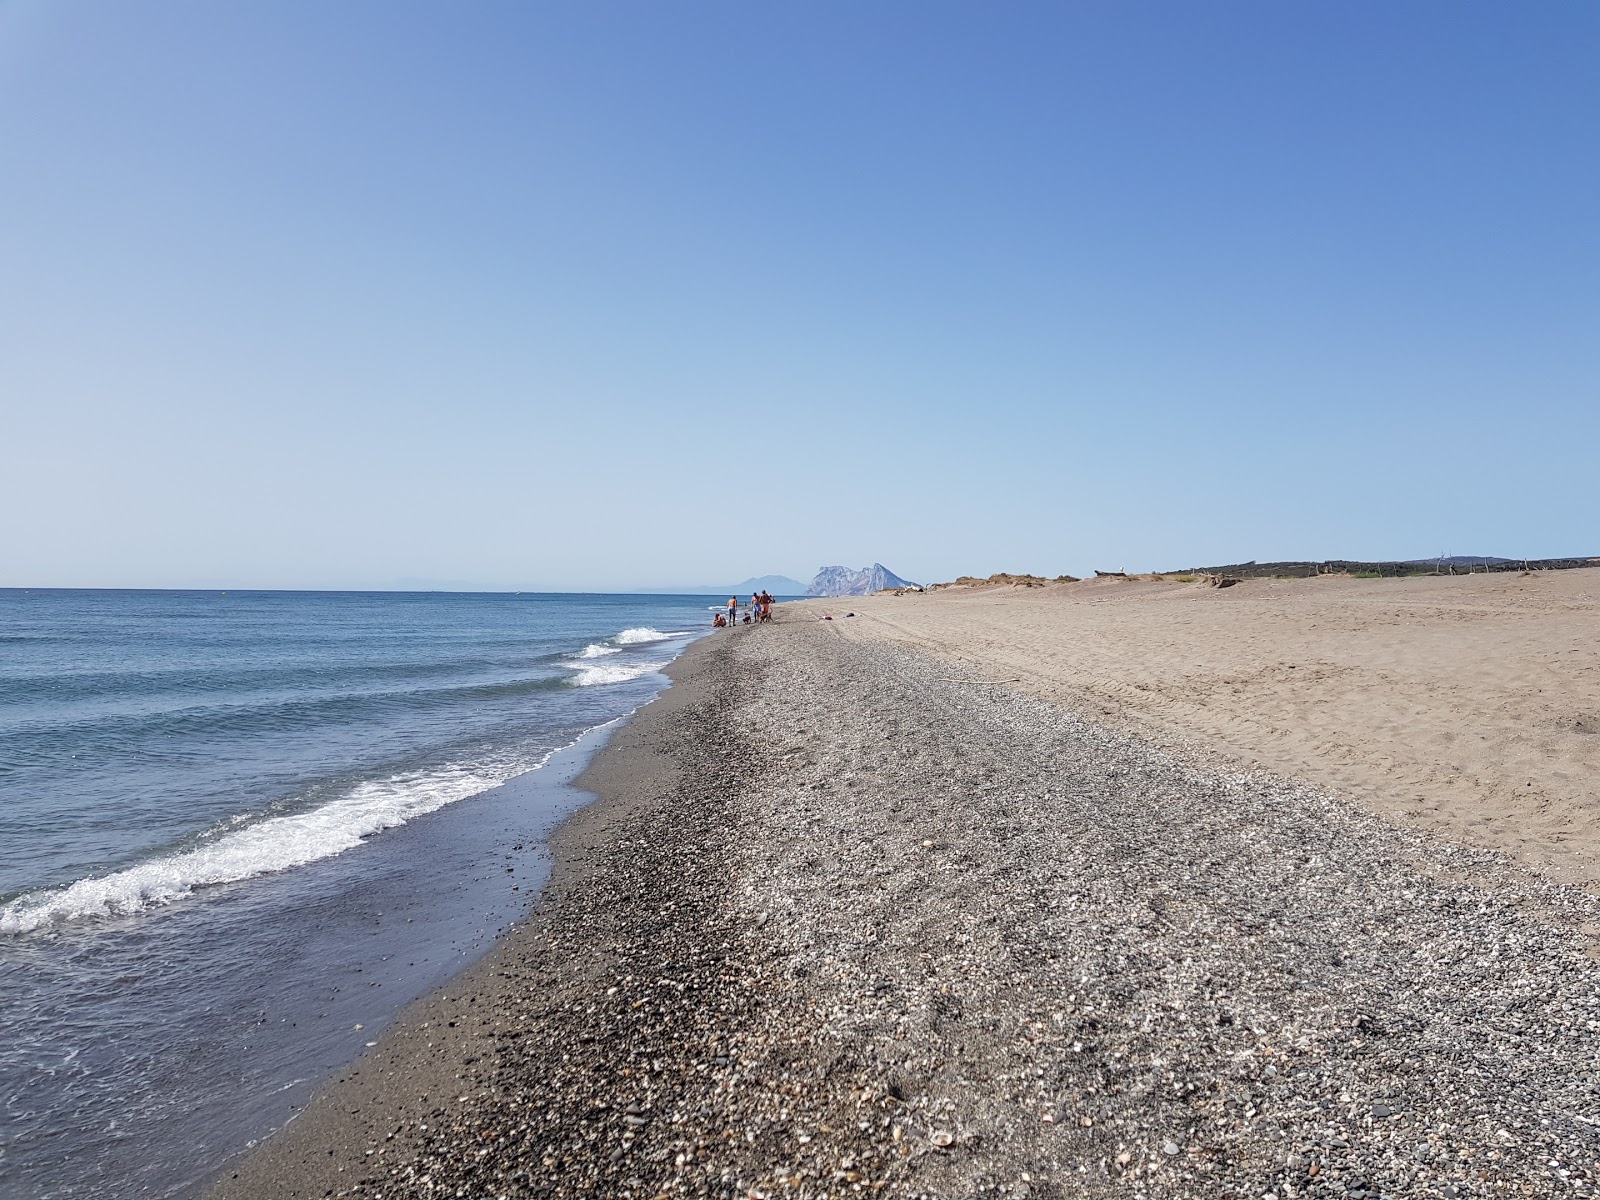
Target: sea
240,830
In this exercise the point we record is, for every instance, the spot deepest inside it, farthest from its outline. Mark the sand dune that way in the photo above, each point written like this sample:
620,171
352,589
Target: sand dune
1468,704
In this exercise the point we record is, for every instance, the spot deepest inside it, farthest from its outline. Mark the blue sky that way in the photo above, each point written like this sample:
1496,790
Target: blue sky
601,295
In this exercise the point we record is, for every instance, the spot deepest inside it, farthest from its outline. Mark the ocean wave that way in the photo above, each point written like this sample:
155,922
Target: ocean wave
599,650
592,674
635,637
268,846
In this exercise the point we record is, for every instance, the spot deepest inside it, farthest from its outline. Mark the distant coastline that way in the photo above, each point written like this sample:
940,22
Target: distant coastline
778,585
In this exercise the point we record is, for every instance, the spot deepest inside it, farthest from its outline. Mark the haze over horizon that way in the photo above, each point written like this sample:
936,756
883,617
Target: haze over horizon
611,297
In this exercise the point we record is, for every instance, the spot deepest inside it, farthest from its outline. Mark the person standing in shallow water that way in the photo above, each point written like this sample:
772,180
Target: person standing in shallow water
733,610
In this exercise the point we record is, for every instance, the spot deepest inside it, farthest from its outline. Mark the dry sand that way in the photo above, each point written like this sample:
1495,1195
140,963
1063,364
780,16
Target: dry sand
1465,704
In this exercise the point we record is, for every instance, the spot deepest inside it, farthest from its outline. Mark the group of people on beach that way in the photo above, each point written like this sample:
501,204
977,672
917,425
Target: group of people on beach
760,609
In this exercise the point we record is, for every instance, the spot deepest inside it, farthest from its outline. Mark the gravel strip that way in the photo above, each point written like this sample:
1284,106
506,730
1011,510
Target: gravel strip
908,935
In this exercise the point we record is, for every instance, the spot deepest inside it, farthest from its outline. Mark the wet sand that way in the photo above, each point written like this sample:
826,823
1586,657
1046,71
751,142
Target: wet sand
849,919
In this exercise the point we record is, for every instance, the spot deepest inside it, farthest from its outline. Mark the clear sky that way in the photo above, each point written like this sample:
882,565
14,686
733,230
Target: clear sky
596,295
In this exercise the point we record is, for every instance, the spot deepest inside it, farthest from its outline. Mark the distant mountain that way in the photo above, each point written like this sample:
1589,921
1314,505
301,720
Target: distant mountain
842,581
778,585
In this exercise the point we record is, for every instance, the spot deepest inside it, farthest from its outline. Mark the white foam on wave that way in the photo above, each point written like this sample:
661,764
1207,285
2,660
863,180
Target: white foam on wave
635,637
275,844
599,650
591,675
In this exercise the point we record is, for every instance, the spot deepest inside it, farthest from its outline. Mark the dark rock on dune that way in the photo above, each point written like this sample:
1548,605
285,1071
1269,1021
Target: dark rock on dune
1458,564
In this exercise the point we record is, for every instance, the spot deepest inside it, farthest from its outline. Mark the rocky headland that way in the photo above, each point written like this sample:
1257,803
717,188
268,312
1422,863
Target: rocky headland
844,581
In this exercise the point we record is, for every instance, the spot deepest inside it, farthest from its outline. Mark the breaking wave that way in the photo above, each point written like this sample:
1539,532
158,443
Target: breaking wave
636,637
275,844
592,674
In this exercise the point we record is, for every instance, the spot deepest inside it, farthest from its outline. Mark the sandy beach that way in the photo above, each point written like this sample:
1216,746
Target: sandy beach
1468,704
1235,892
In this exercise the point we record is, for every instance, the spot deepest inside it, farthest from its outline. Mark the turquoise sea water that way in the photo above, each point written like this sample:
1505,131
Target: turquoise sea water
239,830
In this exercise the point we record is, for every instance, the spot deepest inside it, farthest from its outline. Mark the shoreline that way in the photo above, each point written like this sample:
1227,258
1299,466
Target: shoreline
421,1057
242,872
550,789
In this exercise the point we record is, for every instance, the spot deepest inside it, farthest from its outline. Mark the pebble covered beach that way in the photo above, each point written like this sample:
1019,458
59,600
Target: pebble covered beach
847,920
